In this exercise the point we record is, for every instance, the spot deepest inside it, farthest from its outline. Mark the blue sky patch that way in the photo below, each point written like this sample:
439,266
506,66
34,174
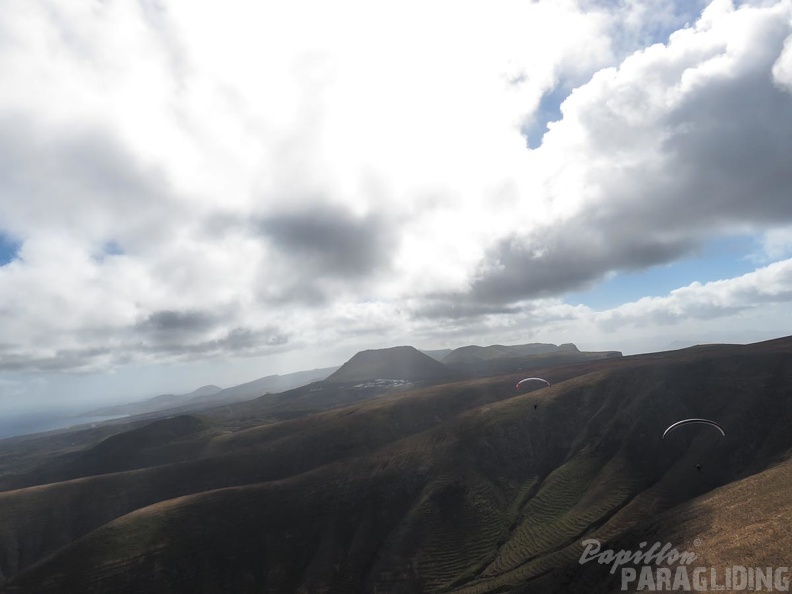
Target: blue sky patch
9,249
549,111
719,259
109,248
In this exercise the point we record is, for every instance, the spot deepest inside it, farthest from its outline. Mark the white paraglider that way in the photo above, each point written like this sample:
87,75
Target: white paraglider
689,421
530,379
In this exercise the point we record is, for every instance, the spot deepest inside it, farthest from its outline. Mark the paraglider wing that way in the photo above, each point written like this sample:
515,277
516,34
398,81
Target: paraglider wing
530,379
689,421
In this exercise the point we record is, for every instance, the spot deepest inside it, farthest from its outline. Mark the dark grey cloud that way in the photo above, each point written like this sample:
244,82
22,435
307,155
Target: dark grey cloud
452,307
237,341
726,151
571,257
307,291
180,345
178,323
321,248
330,241
186,333
73,360
249,341
730,155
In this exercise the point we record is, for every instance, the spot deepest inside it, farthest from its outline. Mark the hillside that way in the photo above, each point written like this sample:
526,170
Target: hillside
742,524
398,363
157,403
270,383
211,395
459,487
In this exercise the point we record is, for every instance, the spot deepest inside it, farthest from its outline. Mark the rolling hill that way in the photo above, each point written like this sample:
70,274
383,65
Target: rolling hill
157,403
211,395
455,487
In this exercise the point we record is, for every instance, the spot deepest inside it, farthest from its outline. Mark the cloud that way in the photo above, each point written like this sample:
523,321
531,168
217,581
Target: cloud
170,337
236,342
679,144
326,242
777,244
450,308
190,333
747,308
569,257
201,178
782,69
82,179
177,324
85,359
194,181
642,23
715,300
9,248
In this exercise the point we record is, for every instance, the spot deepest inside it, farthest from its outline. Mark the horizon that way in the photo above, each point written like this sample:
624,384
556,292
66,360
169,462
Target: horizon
92,406
222,193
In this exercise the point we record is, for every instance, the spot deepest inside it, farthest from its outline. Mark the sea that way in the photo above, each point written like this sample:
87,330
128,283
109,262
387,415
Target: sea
28,423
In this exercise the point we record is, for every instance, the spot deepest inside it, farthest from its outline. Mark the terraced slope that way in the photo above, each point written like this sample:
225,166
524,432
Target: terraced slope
745,523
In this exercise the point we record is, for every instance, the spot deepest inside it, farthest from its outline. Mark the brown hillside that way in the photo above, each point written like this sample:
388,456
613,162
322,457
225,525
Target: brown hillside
419,492
745,523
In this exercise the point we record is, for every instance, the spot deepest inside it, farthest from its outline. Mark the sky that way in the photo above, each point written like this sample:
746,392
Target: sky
197,192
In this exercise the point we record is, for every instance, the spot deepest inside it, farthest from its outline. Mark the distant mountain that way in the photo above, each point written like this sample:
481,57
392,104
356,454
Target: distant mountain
471,353
396,363
213,396
438,354
161,402
496,359
261,386
686,344
205,391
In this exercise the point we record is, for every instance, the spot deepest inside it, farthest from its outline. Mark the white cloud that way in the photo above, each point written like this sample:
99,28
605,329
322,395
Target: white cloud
782,69
777,243
680,143
302,174
719,299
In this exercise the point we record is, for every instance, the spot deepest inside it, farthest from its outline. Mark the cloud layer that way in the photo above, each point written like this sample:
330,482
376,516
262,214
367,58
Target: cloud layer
192,181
